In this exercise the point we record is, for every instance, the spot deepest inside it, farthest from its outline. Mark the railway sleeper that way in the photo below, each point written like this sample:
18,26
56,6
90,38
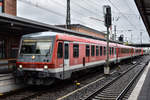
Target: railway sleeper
104,98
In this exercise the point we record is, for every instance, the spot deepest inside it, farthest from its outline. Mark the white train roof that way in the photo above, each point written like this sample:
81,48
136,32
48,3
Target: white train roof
41,34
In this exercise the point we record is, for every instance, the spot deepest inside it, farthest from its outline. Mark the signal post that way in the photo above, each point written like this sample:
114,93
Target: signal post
107,17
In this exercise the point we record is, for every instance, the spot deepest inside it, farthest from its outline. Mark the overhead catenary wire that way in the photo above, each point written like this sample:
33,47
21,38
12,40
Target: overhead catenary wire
83,12
79,13
56,13
121,13
50,11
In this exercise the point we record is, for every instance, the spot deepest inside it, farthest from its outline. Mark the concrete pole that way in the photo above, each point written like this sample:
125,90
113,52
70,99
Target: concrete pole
106,68
115,32
131,37
141,37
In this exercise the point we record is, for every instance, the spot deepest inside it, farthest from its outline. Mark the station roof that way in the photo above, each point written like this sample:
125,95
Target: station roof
144,9
13,25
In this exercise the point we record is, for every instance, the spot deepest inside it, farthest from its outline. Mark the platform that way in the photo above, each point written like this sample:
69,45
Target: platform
7,83
7,66
142,89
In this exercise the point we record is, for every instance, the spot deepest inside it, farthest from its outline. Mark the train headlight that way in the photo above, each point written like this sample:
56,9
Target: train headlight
45,67
20,66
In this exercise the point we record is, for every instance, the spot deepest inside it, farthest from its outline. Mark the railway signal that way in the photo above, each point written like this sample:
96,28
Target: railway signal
108,22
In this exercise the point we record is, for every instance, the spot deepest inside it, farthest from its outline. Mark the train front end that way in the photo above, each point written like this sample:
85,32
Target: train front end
35,59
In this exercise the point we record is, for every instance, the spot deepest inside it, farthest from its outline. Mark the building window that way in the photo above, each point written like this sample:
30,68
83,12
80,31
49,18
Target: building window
1,6
2,49
87,51
97,51
0,9
60,50
92,50
76,50
101,50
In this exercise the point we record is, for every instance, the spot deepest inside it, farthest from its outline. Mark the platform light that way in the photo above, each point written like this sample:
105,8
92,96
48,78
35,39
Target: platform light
20,66
45,67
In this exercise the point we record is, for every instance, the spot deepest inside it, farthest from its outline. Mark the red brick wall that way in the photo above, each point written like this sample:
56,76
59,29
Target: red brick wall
10,7
89,32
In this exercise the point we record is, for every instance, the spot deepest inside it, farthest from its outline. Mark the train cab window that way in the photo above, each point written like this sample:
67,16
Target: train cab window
75,50
104,50
101,50
97,51
60,50
87,51
92,50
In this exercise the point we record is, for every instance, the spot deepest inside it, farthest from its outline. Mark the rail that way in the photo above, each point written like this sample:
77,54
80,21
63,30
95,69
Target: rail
108,84
121,95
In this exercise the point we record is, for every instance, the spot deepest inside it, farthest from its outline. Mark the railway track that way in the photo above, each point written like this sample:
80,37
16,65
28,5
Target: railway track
90,91
118,87
59,91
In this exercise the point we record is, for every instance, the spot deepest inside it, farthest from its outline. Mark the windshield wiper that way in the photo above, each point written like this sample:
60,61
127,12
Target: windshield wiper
47,53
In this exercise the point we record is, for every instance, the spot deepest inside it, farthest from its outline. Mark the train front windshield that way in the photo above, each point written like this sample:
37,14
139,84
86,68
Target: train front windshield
37,47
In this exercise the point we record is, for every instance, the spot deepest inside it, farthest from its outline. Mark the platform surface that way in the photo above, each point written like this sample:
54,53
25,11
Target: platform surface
7,83
142,89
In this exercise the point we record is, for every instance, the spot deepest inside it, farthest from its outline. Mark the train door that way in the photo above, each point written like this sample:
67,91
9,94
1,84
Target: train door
115,53
87,54
66,56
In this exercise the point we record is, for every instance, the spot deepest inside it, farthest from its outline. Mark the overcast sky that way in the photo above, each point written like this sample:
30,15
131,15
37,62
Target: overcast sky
124,14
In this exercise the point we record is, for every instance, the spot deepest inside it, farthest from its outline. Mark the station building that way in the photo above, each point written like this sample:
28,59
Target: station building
86,30
8,42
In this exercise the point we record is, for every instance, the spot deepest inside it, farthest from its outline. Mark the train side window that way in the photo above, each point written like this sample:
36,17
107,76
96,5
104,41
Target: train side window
110,50
104,50
66,54
101,50
60,50
75,50
87,51
97,51
92,50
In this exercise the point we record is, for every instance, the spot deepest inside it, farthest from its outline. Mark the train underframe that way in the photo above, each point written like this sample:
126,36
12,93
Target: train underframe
34,77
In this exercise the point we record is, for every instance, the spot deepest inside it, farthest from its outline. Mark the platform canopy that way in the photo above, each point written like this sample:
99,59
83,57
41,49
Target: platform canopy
144,9
13,25
17,25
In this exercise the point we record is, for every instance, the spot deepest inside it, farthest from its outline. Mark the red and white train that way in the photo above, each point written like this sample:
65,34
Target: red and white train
46,56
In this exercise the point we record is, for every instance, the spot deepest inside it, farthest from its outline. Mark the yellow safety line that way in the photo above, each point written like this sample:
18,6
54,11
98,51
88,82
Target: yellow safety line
79,89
